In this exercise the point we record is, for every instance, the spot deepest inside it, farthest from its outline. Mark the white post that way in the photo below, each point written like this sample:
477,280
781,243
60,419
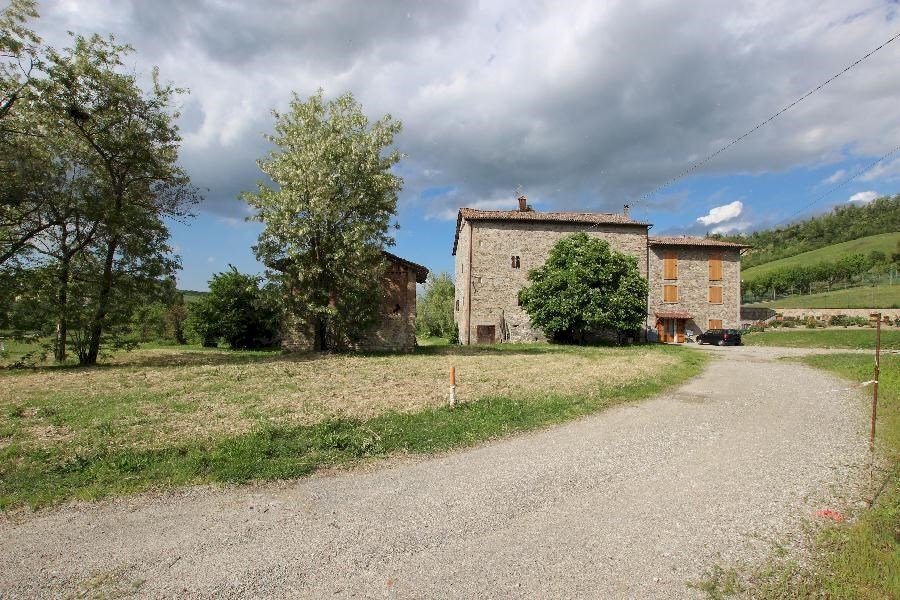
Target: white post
452,386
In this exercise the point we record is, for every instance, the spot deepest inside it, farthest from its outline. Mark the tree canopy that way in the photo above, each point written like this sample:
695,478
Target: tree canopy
327,214
585,288
434,309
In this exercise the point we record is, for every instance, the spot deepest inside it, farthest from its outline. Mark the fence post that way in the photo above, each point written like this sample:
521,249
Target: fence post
452,386
875,384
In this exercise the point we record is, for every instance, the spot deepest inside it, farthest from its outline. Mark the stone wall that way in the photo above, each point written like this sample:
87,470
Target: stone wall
496,283
396,329
693,286
826,313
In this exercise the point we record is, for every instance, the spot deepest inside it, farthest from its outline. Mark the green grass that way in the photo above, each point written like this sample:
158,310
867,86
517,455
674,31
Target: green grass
848,339
877,296
884,242
101,458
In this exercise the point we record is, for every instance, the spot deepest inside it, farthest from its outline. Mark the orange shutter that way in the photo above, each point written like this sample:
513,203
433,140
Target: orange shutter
670,266
715,323
715,267
670,293
715,294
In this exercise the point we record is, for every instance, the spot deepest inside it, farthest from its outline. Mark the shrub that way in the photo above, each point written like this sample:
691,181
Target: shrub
839,321
811,323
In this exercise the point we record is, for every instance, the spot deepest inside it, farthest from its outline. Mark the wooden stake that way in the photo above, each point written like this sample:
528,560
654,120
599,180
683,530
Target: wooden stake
875,384
452,386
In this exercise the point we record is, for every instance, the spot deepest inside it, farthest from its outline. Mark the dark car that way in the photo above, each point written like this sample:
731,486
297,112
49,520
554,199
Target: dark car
720,337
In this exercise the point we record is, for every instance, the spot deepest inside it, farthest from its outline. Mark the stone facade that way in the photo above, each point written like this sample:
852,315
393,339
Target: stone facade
496,280
693,286
495,250
396,329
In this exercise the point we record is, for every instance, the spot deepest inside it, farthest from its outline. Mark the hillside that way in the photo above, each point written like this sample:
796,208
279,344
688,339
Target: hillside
879,296
844,223
885,242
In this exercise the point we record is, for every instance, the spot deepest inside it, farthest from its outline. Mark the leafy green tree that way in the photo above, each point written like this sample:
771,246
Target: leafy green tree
237,309
18,52
327,214
125,140
584,288
434,309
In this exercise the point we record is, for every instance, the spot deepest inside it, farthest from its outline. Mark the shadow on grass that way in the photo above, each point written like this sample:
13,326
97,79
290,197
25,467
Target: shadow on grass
162,357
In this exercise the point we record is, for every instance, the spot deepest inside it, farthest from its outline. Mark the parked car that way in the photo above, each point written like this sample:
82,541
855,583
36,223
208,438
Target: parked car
720,337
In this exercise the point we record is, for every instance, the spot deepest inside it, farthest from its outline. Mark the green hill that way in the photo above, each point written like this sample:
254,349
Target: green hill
885,242
879,296
847,222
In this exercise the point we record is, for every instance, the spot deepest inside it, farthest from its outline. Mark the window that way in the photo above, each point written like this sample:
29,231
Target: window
715,267
515,262
670,293
715,294
457,305
715,324
670,265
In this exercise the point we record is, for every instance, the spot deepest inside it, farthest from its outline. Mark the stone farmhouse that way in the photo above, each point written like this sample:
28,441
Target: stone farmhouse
694,283
396,328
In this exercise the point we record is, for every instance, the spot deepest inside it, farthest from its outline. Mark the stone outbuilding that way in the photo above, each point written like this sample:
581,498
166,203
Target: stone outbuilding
396,327
495,249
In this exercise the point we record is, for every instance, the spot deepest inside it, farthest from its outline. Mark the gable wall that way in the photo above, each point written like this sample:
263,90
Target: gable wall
693,286
496,284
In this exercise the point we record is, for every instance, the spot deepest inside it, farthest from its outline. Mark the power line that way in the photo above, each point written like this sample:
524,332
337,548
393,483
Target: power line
859,172
761,124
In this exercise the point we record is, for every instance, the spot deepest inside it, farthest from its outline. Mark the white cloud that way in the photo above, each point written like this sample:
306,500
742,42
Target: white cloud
863,197
835,177
886,170
720,214
583,103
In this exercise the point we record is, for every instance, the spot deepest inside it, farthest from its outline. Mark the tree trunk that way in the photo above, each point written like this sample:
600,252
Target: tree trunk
62,307
93,351
320,339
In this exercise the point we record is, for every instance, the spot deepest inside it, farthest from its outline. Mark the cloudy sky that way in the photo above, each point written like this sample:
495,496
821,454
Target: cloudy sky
583,105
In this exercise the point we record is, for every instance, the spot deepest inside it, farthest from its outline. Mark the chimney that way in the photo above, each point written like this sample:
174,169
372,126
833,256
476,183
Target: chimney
625,211
523,204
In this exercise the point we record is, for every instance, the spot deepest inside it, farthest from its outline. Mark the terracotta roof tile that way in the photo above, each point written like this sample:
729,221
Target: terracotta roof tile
472,214
683,240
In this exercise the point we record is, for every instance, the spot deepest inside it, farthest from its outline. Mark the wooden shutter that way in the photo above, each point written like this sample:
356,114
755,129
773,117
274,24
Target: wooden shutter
670,293
715,294
670,265
715,267
715,323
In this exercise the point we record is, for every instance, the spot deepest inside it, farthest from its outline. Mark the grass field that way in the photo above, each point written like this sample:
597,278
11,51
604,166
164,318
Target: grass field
885,242
877,296
170,416
851,338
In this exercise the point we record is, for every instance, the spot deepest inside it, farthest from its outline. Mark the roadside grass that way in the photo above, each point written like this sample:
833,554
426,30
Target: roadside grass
867,296
849,339
856,559
168,417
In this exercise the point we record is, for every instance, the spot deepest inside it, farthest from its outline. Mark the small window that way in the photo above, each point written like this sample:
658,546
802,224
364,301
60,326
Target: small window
514,261
715,294
670,265
457,304
670,293
715,324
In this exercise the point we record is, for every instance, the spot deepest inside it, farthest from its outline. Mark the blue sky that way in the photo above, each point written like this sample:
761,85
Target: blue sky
582,105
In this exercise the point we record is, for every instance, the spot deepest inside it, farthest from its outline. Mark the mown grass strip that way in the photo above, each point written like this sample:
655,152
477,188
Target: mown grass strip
38,478
844,339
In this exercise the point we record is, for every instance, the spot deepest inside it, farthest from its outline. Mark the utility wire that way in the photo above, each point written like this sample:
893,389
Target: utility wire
859,172
709,157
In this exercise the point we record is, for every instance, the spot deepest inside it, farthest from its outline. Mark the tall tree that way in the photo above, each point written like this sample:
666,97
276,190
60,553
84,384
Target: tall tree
126,139
328,214
18,52
585,287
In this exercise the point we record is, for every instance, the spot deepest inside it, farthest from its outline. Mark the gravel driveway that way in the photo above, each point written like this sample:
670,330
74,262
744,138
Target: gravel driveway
631,503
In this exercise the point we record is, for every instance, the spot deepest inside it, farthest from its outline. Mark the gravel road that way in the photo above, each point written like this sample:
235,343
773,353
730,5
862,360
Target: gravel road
631,503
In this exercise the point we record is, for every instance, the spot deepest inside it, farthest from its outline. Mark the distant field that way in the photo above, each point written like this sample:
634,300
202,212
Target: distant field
851,339
191,296
879,296
885,242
